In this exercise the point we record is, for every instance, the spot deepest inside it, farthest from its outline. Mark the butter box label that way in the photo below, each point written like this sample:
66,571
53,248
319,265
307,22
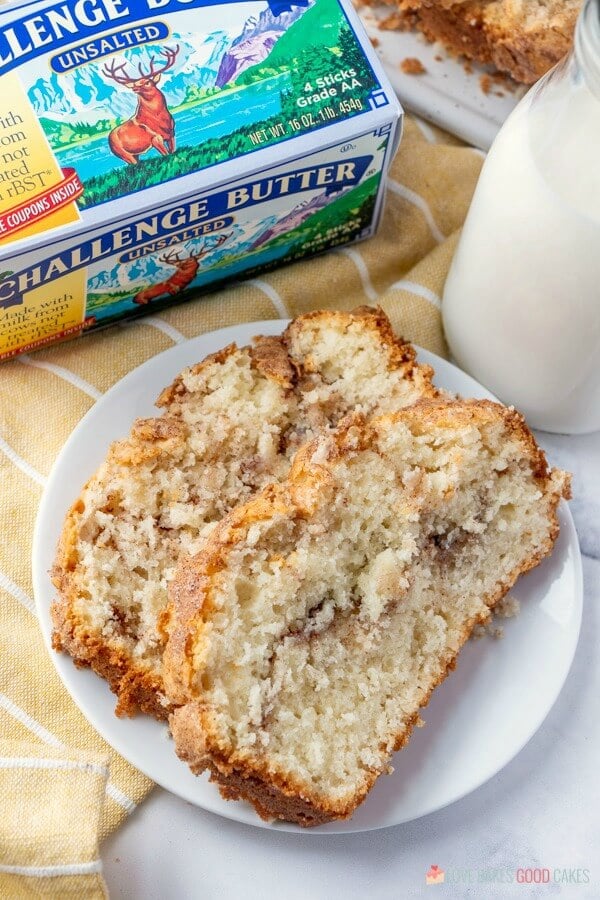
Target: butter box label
135,93
32,184
296,209
153,149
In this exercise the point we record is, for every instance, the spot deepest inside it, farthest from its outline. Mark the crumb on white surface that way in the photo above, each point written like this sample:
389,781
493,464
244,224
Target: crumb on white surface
412,66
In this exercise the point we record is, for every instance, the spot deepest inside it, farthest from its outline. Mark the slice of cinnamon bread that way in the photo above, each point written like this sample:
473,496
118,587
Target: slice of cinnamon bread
230,425
523,38
321,615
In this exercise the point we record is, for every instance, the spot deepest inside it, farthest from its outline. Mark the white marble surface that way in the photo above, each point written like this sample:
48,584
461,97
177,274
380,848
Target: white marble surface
542,810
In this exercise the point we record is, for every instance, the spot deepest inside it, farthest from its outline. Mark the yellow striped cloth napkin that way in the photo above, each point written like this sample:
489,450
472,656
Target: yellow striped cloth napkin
62,788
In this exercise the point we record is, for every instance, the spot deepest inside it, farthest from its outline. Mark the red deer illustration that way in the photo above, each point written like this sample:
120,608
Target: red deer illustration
186,270
152,125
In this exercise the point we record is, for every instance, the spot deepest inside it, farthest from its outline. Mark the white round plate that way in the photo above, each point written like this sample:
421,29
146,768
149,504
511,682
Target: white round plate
478,719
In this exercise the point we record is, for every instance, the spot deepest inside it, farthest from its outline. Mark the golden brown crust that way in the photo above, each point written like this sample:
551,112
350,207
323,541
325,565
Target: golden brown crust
496,33
149,439
268,801
276,797
134,688
197,740
373,318
270,357
137,685
271,795
175,392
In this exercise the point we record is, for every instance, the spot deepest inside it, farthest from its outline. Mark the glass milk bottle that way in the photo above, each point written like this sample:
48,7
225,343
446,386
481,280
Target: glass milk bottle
521,305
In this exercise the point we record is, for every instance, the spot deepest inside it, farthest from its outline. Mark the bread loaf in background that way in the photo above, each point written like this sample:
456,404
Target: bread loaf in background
523,38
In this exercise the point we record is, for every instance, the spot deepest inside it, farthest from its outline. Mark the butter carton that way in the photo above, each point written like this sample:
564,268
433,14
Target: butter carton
152,149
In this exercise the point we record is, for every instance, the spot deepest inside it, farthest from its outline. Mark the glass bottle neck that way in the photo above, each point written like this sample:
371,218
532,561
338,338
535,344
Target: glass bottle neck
587,45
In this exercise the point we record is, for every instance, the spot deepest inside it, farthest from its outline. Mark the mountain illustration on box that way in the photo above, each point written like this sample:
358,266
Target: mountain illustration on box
295,217
205,60
152,268
257,39
88,94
